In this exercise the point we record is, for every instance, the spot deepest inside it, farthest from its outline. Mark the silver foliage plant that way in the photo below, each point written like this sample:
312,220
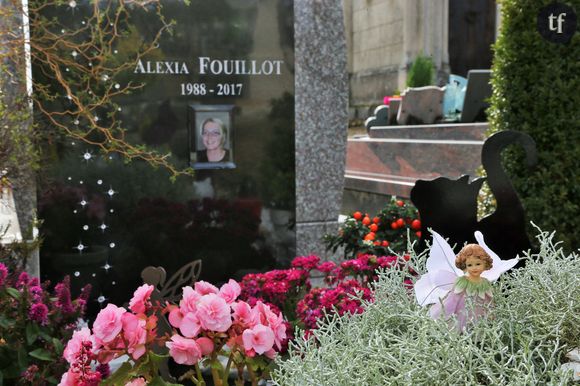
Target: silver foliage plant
535,321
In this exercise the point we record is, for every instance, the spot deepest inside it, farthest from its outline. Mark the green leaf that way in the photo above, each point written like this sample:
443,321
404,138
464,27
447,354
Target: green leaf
32,331
119,377
13,292
45,335
158,381
22,358
58,348
6,323
158,358
142,367
41,354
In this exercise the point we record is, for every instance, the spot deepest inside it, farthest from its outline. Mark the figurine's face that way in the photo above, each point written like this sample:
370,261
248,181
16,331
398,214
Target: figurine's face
474,266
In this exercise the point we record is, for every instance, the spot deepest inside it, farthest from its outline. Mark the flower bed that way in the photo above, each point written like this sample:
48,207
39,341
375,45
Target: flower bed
35,324
291,290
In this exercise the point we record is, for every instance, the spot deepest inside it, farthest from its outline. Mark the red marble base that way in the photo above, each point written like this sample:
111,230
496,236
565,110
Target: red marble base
392,158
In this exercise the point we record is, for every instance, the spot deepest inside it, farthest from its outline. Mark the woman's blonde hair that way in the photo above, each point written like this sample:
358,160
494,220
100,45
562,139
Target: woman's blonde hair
221,125
472,250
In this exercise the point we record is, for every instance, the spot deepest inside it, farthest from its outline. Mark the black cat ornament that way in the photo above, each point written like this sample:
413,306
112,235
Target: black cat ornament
450,206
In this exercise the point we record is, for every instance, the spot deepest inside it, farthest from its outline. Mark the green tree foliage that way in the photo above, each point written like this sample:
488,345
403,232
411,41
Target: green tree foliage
421,72
536,90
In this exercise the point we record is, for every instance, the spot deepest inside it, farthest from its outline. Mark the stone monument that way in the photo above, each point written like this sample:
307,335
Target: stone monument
321,120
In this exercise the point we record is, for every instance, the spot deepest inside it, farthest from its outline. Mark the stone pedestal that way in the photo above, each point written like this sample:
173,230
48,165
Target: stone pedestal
321,88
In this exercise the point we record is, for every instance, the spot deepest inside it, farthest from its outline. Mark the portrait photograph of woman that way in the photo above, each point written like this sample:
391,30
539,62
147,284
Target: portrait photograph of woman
210,133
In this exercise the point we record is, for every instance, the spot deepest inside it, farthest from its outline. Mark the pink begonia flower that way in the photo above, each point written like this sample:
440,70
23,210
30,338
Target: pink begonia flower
190,325
184,351
270,353
206,345
260,339
135,334
189,300
243,314
138,303
278,326
205,288
263,313
73,347
69,379
230,291
108,323
214,313
137,382
175,316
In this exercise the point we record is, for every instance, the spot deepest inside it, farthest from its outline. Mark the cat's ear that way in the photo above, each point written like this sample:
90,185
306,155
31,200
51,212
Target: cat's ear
477,183
464,179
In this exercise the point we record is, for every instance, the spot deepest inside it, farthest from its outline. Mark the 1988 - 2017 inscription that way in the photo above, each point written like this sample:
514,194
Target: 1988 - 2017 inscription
220,89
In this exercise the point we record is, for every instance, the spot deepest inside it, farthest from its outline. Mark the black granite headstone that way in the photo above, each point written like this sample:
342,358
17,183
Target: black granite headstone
230,61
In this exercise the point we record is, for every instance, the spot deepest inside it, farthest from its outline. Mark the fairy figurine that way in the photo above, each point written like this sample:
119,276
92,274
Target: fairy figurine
452,281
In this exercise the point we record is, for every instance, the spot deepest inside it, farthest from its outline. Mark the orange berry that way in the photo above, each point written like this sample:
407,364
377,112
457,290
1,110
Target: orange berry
418,234
394,225
374,227
385,243
357,215
366,221
377,243
401,223
416,225
376,220
400,203
370,236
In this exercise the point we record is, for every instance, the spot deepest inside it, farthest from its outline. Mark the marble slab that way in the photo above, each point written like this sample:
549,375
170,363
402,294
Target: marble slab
390,166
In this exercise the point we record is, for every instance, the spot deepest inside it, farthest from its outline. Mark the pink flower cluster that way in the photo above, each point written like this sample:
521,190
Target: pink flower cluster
209,321
39,300
307,263
209,318
276,288
305,306
116,331
26,303
329,300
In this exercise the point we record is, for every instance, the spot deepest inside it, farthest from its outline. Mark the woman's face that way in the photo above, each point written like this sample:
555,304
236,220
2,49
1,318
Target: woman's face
212,136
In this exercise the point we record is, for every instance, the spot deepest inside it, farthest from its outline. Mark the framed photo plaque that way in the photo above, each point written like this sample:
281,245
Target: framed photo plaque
211,136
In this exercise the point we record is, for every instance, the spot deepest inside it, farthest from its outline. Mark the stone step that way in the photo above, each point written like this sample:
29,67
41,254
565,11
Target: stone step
389,162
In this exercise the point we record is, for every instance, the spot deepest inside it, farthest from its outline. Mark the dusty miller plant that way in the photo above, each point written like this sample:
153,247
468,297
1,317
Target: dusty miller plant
533,324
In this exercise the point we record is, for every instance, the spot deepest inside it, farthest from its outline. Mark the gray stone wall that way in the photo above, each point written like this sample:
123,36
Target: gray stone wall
384,37
321,88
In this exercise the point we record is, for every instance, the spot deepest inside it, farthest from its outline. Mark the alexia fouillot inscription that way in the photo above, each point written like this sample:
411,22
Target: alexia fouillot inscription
210,126
209,66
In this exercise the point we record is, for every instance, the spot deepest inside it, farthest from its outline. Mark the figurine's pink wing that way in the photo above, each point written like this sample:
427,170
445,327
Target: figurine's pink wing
441,272
433,285
499,266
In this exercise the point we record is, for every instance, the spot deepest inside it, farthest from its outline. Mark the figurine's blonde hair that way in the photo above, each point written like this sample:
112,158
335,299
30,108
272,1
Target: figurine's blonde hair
472,250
